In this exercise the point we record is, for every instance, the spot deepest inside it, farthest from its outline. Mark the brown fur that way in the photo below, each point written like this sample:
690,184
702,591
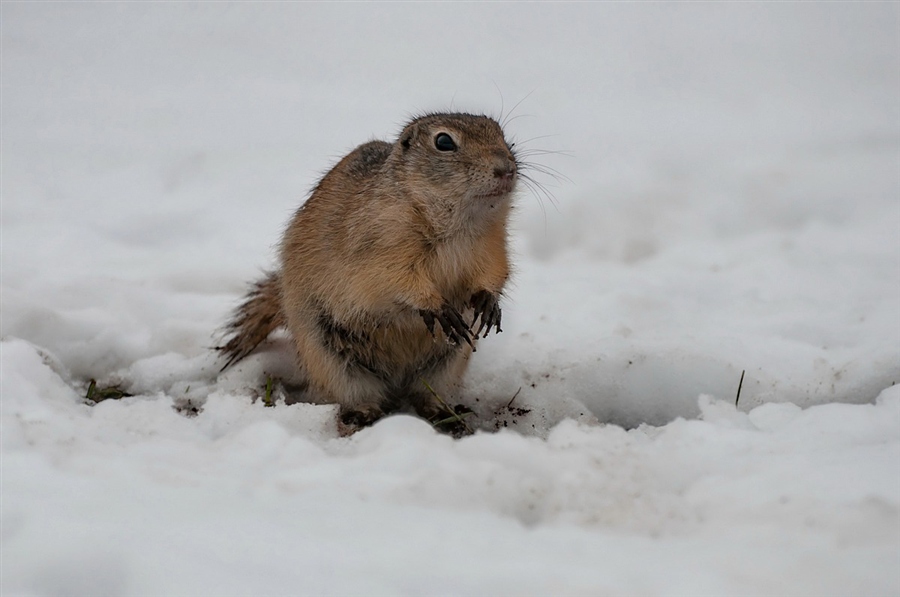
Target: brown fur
394,236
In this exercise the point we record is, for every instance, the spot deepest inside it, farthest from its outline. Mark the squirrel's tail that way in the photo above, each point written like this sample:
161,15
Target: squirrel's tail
257,317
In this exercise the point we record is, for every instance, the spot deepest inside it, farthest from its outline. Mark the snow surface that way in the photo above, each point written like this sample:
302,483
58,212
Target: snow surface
731,202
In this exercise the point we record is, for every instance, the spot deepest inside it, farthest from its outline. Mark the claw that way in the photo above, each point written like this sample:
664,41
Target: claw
451,322
454,326
487,308
428,317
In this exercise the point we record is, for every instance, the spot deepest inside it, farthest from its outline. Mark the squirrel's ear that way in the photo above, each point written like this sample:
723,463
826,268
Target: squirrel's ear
407,135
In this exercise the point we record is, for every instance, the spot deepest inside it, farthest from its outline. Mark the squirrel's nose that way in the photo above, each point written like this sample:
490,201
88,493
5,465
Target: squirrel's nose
504,168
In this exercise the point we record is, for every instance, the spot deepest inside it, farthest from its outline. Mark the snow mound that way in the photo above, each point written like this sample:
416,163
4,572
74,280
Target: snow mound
218,500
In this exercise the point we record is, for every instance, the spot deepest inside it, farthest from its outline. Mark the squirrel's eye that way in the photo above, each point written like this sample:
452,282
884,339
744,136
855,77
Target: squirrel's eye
444,142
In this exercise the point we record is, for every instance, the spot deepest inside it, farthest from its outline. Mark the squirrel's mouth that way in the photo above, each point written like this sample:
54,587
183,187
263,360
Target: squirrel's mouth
503,187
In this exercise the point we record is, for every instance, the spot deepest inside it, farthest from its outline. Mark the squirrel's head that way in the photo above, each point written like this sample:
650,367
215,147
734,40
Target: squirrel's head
459,165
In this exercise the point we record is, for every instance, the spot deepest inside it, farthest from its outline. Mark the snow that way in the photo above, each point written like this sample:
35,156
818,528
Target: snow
730,204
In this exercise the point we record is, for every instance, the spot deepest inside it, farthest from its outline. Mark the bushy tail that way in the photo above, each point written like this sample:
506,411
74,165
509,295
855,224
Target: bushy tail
257,317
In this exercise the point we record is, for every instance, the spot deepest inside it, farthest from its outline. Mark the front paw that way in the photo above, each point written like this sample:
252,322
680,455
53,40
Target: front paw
451,322
487,308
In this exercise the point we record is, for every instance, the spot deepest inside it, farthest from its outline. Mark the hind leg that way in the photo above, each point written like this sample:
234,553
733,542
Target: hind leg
443,380
361,395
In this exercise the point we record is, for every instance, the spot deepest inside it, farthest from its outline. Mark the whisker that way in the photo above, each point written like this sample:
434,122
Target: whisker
516,117
506,120
538,190
500,93
537,139
534,192
529,152
546,170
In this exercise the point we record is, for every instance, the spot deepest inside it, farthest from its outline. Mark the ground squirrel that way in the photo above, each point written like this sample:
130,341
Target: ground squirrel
398,253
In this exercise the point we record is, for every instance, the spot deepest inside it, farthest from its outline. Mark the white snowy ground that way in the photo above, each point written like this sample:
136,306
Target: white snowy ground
733,204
